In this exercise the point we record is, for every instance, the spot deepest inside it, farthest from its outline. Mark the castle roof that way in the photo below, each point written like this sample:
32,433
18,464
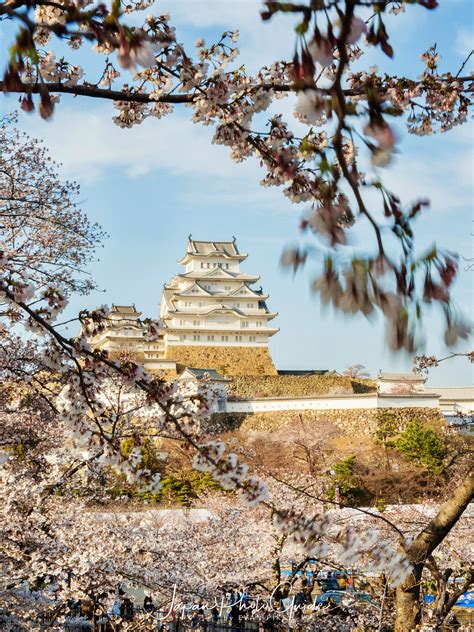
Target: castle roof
227,249
197,290
219,273
125,309
218,308
195,373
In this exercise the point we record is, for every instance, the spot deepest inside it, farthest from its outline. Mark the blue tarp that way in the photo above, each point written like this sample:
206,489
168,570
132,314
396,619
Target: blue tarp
465,601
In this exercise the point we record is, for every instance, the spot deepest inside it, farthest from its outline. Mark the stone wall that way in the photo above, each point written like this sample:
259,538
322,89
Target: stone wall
350,422
226,360
251,386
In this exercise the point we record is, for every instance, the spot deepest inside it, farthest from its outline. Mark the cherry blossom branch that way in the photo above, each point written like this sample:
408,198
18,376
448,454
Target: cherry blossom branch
304,492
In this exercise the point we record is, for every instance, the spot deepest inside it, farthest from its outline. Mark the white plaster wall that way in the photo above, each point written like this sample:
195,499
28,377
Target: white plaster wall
330,403
269,405
460,406
407,401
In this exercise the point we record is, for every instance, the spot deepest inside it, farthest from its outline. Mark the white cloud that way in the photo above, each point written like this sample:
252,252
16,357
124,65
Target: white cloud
261,42
87,143
444,181
464,42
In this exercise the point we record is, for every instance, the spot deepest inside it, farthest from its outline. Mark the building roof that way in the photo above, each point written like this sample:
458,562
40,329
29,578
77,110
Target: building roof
204,249
242,291
208,247
219,309
219,273
201,373
401,377
303,372
455,392
125,309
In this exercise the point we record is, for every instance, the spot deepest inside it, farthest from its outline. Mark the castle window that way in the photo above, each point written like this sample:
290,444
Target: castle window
187,304
182,321
210,337
259,324
196,323
202,265
224,338
249,305
227,266
208,265
238,339
244,324
252,338
196,337
182,337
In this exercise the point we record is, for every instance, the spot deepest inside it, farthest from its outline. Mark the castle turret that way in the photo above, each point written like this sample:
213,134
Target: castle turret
212,315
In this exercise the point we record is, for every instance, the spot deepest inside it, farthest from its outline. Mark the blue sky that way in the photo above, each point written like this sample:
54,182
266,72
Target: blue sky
149,187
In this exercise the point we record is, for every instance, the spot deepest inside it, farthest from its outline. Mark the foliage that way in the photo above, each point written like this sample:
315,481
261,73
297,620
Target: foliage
423,445
388,426
345,479
186,488
346,114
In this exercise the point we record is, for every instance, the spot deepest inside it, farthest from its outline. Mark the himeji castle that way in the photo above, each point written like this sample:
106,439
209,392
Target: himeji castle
211,316
211,310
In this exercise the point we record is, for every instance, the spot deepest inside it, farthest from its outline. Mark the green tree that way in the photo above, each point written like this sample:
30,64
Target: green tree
422,445
345,479
387,427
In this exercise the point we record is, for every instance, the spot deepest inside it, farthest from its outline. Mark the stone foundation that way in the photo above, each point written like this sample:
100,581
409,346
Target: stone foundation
353,422
225,360
250,386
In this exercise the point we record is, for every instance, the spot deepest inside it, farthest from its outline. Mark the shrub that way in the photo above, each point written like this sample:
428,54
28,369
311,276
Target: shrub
423,445
387,427
350,490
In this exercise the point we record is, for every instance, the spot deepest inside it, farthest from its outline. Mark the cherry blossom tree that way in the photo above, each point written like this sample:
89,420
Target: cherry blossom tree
78,404
344,113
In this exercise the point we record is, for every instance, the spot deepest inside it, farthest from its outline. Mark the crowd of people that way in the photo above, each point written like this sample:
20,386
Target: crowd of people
233,610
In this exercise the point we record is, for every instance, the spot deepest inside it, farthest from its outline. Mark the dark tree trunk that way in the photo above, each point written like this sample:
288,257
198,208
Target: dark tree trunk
407,602
408,605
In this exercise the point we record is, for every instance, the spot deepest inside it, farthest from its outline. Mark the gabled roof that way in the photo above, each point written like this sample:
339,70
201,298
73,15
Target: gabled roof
201,373
188,291
248,291
214,309
211,310
219,273
125,309
208,247
226,249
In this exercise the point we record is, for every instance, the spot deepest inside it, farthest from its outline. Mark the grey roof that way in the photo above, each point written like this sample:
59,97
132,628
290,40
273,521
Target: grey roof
126,309
208,247
401,377
455,392
225,274
304,372
213,374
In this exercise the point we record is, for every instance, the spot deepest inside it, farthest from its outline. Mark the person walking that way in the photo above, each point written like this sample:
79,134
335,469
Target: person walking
148,605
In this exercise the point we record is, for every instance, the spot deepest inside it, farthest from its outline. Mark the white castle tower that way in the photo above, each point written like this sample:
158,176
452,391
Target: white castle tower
212,316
